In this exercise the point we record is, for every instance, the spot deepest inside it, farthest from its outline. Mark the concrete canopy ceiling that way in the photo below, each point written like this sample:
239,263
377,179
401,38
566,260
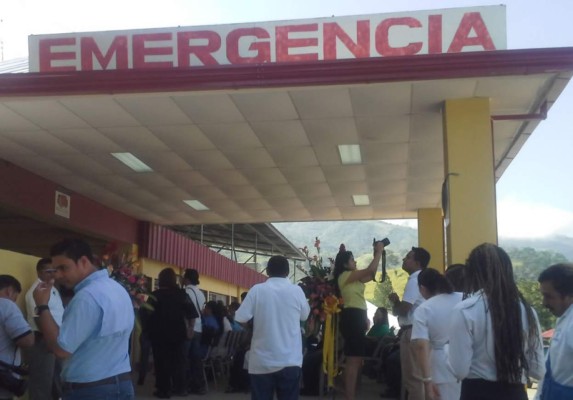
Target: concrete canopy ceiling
264,154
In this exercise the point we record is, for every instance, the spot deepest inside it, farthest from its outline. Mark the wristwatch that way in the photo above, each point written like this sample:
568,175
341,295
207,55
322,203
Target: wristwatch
38,310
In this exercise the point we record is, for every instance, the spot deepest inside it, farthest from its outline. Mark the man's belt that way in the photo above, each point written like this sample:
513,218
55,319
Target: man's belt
106,381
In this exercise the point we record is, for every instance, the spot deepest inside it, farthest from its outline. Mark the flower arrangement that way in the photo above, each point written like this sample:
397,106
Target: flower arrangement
319,289
123,269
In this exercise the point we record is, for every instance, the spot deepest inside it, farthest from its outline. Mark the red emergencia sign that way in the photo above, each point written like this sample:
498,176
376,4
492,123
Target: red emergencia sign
380,35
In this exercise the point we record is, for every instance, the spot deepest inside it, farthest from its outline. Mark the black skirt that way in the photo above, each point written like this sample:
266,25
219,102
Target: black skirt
353,326
481,389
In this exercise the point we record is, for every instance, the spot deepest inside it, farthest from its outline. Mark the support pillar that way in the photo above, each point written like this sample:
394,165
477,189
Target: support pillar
431,235
470,213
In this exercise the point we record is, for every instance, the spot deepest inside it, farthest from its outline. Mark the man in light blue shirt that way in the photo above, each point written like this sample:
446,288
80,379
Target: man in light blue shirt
94,335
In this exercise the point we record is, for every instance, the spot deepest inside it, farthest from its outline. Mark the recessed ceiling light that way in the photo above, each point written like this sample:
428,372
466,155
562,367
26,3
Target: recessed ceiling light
132,162
349,153
361,199
196,204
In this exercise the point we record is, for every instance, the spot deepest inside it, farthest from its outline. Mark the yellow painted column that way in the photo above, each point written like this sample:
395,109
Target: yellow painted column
431,235
470,214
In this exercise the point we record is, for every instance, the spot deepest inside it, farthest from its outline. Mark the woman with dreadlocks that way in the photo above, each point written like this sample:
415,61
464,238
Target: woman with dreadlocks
495,341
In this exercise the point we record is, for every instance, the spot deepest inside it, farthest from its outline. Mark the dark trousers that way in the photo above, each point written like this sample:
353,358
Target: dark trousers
169,360
285,383
480,389
239,376
195,379
145,347
44,380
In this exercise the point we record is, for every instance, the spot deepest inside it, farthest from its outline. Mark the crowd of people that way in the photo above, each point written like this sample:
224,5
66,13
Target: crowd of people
468,334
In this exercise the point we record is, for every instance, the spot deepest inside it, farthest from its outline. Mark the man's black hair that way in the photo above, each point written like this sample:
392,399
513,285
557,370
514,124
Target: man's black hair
42,263
422,256
192,276
73,249
560,276
10,281
278,267
167,279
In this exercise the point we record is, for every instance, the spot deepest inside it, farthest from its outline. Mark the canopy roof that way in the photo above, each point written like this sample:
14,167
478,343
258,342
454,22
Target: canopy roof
258,143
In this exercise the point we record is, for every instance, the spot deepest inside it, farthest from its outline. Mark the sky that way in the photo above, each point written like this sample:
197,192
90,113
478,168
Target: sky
535,194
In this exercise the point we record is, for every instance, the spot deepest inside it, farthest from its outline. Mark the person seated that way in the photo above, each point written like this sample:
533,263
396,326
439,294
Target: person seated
233,307
312,367
381,325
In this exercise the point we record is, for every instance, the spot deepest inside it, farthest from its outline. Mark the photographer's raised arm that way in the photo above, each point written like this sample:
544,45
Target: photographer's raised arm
368,274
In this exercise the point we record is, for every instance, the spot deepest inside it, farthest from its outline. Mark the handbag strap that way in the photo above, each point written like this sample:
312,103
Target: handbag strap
197,303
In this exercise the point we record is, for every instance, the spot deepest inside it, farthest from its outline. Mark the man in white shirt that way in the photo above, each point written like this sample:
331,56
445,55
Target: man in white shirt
417,259
556,285
197,383
44,380
277,306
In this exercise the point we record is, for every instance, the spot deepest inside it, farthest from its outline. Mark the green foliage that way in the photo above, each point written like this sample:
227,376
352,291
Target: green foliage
528,262
530,290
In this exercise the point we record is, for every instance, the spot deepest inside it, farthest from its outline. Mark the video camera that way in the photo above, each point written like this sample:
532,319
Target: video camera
10,382
385,242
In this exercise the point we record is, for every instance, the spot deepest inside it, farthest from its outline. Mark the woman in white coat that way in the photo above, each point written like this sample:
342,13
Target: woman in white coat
495,341
430,335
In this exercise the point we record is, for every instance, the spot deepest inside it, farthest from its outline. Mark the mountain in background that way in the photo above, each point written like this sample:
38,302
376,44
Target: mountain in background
357,237
557,243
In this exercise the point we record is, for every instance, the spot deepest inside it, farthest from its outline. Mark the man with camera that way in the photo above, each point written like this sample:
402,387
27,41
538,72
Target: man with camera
14,333
44,379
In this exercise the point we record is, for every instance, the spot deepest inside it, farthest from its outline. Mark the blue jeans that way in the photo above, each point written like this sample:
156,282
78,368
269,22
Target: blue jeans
122,390
285,383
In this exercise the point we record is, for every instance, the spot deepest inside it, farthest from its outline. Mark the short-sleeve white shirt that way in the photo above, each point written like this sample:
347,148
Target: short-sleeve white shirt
411,295
431,322
55,303
276,306
471,352
198,299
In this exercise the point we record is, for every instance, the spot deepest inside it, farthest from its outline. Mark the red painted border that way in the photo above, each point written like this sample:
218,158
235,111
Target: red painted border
34,196
164,245
350,71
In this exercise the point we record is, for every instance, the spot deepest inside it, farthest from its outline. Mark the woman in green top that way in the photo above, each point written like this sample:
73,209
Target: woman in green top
381,325
353,320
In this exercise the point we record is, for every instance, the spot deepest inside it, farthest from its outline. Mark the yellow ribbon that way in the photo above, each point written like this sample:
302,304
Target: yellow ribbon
329,357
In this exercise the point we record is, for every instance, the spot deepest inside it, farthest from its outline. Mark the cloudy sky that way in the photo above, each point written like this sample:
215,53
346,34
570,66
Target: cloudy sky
535,194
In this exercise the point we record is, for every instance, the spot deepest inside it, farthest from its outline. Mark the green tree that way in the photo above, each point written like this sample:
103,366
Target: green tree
377,292
530,290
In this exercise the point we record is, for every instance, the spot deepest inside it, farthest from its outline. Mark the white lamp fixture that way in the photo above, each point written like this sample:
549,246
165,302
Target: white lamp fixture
132,162
196,205
361,199
349,154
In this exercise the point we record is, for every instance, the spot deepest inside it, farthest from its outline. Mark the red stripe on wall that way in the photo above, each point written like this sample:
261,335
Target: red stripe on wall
164,245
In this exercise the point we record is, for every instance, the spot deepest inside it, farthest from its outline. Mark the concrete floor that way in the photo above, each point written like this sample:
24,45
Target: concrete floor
369,390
